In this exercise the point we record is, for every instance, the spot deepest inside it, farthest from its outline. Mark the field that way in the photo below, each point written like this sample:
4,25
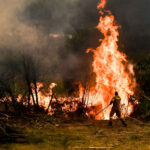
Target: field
47,133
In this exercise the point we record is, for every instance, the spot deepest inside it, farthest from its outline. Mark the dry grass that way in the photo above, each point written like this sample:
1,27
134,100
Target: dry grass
81,135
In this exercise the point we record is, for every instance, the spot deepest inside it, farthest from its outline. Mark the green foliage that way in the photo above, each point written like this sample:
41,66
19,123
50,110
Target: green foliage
145,106
142,70
60,88
65,88
11,83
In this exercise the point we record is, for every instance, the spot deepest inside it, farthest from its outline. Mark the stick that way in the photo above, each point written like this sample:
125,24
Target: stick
102,110
147,97
136,119
50,102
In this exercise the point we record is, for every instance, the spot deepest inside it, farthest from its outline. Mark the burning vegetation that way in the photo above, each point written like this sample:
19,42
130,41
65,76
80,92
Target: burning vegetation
64,75
29,83
113,73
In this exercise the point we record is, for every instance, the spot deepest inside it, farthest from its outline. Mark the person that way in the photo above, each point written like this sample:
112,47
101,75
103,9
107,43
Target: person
116,109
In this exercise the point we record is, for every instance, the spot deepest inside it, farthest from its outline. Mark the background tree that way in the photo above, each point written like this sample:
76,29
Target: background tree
142,72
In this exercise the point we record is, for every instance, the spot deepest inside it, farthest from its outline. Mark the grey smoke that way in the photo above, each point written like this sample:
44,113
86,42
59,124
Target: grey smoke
135,21
26,26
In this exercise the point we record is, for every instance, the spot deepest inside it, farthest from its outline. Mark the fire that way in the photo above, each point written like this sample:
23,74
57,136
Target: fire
66,104
101,4
44,98
110,67
113,73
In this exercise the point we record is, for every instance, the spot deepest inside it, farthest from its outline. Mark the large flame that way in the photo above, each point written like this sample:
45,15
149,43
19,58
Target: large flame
113,73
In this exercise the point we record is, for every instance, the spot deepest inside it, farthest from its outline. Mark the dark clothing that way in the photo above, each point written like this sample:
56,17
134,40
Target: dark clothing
113,111
116,109
116,102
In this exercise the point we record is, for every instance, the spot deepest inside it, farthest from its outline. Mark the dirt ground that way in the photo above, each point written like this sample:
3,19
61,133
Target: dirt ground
78,134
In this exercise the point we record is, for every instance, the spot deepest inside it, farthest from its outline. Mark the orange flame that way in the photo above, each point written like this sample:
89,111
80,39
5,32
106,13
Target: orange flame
101,4
110,67
113,73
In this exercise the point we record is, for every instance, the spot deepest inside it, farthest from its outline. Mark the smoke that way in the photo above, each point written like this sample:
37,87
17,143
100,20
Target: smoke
42,28
14,33
133,16
62,16
21,33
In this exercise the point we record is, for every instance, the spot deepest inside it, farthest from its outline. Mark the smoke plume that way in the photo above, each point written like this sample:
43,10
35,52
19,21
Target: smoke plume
43,28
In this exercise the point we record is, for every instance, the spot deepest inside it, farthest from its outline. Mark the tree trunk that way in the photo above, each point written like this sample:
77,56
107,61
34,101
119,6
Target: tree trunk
50,102
29,94
33,98
36,93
